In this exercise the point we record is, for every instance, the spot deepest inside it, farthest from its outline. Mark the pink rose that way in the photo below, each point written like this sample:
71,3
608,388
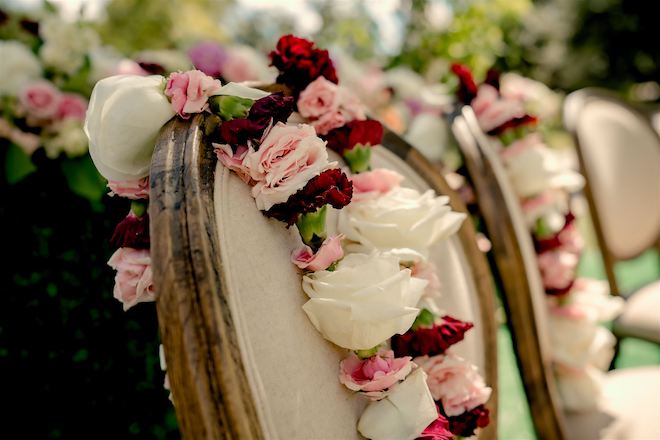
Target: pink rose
71,106
133,282
570,239
288,157
41,100
427,271
234,161
557,268
130,189
373,376
329,252
327,122
189,91
492,111
455,382
380,180
319,98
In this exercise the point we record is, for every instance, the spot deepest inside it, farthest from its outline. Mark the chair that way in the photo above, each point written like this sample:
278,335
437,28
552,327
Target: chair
631,398
619,153
243,360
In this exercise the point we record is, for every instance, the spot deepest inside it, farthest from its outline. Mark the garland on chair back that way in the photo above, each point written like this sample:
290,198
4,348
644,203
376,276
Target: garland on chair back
581,348
384,288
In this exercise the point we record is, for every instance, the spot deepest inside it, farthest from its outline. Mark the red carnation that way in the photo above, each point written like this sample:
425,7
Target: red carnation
275,106
239,131
330,187
430,341
132,232
367,132
523,121
300,63
467,88
493,78
547,244
438,430
465,424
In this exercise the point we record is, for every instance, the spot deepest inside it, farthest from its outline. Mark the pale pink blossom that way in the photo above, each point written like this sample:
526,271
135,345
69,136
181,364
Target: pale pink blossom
288,157
41,100
329,252
558,268
234,161
493,111
380,180
189,91
133,282
129,67
28,142
520,146
426,270
130,189
571,239
455,382
239,68
327,122
375,375
71,106
319,98
350,106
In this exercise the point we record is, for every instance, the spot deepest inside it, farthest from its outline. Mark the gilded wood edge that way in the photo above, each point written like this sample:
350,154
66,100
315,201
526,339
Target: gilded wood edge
212,396
480,269
534,366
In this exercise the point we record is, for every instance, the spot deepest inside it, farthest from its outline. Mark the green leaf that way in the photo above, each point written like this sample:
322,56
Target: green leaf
426,318
18,165
83,179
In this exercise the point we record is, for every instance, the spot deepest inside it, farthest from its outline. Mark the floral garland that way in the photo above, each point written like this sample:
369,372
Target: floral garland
388,229
581,348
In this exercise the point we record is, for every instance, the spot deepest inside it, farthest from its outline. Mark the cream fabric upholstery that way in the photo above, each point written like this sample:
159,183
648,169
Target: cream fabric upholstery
629,408
641,317
622,159
292,370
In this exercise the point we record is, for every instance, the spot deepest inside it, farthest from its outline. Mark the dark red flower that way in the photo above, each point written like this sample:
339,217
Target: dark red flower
547,244
132,232
560,292
465,424
467,88
330,187
276,106
493,78
523,121
438,430
367,132
239,131
300,63
430,341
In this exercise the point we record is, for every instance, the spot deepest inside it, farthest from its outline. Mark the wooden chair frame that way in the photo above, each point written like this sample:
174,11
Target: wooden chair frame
610,259
520,293
209,384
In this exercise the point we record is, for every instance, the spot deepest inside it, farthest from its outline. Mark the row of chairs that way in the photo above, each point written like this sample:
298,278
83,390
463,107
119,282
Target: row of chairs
244,362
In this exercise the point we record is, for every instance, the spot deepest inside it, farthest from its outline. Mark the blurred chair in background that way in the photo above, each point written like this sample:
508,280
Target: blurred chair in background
630,399
619,153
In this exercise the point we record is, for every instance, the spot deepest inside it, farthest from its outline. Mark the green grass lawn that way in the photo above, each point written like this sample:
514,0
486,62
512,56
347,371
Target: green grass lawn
514,422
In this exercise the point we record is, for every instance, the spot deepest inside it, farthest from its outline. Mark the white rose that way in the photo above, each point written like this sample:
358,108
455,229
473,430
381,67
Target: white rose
124,117
579,390
18,68
404,414
69,138
579,341
364,301
539,168
400,218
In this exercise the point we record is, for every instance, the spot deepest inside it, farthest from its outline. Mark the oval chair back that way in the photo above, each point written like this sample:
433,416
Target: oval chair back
242,358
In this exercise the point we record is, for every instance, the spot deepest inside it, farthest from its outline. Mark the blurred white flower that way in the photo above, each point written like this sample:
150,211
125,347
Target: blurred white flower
65,44
18,68
244,63
169,59
428,133
69,138
538,98
579,390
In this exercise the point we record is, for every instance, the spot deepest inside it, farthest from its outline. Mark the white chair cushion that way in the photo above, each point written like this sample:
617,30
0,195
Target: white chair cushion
629,408
641,316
